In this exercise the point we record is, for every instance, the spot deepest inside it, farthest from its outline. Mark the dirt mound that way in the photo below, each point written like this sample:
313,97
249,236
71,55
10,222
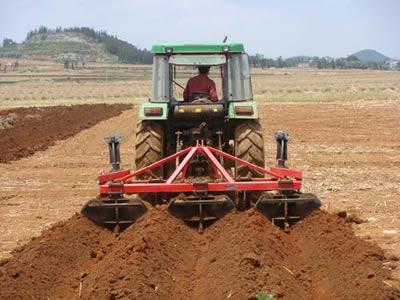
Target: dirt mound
320,258
24,131
52,264
245,255
152,259
160,257
340,265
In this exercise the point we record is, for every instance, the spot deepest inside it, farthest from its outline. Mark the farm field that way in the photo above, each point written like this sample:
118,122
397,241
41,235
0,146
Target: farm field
344,136
38,83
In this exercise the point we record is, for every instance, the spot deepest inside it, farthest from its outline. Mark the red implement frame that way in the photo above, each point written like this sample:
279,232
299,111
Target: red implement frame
122,181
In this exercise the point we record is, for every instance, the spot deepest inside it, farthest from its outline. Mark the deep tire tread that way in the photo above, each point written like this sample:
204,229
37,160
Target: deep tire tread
149,148
249,146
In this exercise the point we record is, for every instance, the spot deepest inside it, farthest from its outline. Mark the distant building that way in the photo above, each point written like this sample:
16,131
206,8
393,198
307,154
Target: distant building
393,64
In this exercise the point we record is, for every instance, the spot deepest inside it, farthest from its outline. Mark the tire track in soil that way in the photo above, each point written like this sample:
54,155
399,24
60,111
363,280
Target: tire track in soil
160,257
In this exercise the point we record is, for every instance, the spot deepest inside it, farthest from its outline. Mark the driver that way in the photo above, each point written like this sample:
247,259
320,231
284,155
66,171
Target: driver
201,84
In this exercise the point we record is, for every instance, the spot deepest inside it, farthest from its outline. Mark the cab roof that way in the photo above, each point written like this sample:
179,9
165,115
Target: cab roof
197,48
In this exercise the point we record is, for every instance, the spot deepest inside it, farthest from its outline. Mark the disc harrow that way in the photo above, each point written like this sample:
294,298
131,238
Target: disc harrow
196,200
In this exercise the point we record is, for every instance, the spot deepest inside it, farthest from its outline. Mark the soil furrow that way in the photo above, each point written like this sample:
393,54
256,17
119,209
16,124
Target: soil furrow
340,265
153,258
237,257
27,130
160,257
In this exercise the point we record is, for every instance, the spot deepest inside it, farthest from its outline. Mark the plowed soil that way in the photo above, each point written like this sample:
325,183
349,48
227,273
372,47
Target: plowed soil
23,131
349,153
159,257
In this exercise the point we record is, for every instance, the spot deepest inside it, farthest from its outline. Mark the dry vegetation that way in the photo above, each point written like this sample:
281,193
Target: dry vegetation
47,83
325,85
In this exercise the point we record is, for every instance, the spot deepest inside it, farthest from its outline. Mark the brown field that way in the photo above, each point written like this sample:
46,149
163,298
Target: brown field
345,138
45,83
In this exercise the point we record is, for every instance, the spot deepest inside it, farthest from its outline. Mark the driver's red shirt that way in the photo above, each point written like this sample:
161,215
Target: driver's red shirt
200,84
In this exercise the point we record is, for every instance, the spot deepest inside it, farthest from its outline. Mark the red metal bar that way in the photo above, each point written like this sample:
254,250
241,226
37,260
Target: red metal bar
294,173
184,171
216,163
211,187
154,165
184,162
106,177
217,175
245,163
278,182
273,171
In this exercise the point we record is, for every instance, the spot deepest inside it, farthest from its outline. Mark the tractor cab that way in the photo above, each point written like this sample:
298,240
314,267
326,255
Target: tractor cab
174,65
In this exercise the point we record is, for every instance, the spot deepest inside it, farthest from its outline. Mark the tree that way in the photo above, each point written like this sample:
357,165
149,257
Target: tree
43,29
319,64
263,62
270,63
352,58
279,62
8,42
126,52
256,60
340,63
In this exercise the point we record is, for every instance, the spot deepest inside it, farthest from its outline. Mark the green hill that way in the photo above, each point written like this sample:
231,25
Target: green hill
369,55
79,43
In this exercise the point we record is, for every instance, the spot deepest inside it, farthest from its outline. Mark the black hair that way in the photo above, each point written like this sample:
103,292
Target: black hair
204,69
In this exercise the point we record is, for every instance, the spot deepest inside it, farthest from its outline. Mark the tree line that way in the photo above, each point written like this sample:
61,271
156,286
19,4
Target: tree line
350,62
126,52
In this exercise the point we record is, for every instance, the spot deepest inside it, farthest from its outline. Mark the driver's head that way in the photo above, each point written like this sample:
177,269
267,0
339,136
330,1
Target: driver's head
204,70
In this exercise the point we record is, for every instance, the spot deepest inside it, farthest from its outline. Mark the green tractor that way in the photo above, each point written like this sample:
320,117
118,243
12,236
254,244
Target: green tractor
168,124
201,157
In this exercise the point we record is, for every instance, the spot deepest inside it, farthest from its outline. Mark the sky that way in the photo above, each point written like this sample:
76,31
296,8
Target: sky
271,27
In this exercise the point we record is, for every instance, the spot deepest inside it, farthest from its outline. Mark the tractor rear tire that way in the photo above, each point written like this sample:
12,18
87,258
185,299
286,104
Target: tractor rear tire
149,148
249,146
